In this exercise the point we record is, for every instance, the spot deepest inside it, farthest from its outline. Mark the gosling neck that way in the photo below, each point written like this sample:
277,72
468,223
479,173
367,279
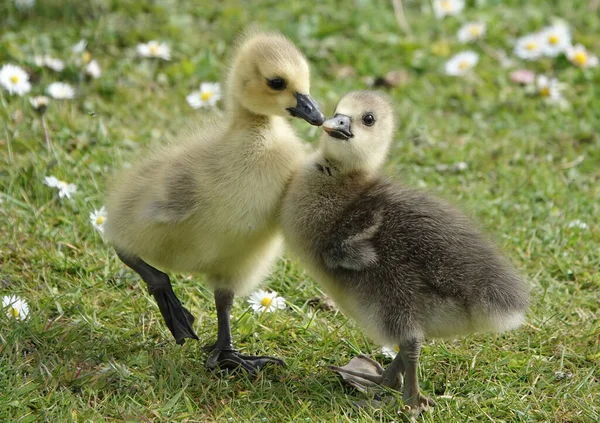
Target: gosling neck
242,118
336,168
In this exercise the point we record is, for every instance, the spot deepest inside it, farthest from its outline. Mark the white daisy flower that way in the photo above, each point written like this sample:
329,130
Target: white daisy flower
548,88
530,47
15,307
390,352
443,8
98,218
60,91
460,166
79,47
209,94
154,49
49,62
14,79
54,63
39,61
471,31
580,57
93,69
266,302
83,58
39,103
555,40
578,224
64,189
24,4
52,181
461,63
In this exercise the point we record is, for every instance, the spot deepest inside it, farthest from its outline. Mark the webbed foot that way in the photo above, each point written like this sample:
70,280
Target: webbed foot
418,404
178,318
363,373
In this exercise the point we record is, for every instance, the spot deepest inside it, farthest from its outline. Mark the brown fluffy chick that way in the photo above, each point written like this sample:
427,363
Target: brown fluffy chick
208,202
406,265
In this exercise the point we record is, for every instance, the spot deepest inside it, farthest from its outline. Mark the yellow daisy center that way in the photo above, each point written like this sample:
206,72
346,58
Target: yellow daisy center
580,58
464,64
153,49
266,301
86,57
475,31
100,220
13,312
532,45
553,39
545,91
206,95
447,5
14,79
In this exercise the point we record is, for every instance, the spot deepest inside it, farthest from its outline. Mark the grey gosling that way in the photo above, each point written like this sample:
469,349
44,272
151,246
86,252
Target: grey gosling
208,203
407,266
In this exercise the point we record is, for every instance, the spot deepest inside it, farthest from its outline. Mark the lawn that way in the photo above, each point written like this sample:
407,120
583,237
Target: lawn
94,346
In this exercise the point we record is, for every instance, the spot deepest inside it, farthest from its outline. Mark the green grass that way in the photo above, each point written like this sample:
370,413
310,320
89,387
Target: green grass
95,347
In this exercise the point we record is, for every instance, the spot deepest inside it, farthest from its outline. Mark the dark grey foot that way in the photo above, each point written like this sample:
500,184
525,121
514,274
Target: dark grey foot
363,373
418,404
178,319
209,347
222,353
234,360
378,401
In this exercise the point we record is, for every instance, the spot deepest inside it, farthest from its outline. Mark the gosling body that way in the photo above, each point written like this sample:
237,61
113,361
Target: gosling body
406,265
207,203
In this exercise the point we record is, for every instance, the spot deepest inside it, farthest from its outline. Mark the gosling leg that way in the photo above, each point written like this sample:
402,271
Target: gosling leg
393,375
223,354
410,351
178,319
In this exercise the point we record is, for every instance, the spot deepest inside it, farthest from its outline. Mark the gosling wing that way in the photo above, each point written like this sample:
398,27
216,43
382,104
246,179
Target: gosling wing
349,243
177,198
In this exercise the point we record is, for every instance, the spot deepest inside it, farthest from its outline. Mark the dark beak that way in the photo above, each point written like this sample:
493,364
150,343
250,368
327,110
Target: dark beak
338,127
307,109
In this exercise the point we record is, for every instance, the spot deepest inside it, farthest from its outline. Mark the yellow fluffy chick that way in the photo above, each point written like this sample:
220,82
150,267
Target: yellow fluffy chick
208,203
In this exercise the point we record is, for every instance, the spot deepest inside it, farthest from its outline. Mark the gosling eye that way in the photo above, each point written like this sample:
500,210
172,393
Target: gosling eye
368,119
278,84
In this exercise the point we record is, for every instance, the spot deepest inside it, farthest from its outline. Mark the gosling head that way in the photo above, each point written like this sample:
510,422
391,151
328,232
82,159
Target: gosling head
270,76
358,136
